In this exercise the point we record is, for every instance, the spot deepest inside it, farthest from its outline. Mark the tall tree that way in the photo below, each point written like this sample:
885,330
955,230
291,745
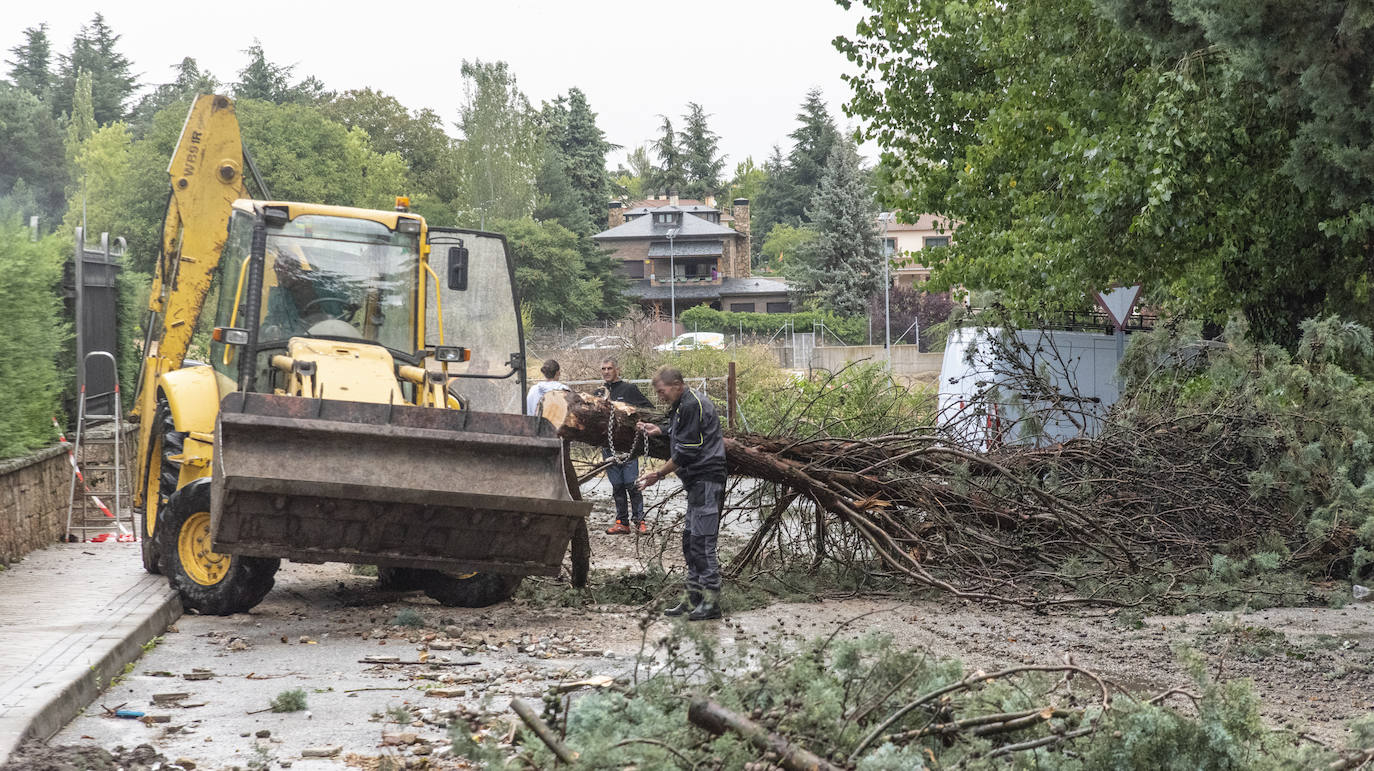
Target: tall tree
1076,155
842,266
584,147
261,79
189,81
501,148
634,179
557,199
671,172
701,154
550,272
93,51
31,67
81,123
793,181
33,157
417,135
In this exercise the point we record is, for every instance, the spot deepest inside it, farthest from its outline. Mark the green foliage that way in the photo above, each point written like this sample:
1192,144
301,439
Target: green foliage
31,67
551,272
702,161
842,266
792,181
580,147
671,172
861,400
190,80
1303,421
416,135
1076,155
783,243
33,155
93,51
828,695
501,148
292,700
851,330
33,331
264,81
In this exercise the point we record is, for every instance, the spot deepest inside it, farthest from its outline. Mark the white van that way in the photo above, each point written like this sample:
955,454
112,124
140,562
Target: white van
688,341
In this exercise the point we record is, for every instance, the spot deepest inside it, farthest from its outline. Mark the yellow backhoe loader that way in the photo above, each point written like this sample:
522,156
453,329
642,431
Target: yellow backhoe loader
362,401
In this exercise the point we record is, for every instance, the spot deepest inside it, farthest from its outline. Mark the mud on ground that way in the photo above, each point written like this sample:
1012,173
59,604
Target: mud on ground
322,627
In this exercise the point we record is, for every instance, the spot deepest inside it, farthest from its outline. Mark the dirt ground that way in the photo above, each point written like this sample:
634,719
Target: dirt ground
322,627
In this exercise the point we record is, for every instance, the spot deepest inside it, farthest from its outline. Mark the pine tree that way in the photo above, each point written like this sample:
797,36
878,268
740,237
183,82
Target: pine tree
671,173
112,83
33,157
701,155
792,182
31,67
558,199
270,82
570,128
842,266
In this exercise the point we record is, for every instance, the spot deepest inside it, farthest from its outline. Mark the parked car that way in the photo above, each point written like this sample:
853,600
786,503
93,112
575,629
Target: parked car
601,343
688,341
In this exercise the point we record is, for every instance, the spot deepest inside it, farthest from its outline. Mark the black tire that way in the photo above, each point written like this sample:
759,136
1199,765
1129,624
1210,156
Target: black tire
169,473
243,582
476,591
398,579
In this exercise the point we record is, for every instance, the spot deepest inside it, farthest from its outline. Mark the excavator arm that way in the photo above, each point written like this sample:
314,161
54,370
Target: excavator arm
206,174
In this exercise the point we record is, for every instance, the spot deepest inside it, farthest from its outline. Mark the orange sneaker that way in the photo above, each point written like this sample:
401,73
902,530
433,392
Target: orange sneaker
618,529
643,529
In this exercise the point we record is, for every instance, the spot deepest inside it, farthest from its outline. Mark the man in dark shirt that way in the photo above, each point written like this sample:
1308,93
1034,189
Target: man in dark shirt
697,454
629,500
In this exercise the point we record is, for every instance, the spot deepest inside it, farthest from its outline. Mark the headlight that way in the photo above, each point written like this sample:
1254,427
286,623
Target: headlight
407,225
450,354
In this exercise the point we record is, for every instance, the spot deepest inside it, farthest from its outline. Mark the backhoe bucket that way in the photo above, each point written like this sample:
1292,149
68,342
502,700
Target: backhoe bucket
331,481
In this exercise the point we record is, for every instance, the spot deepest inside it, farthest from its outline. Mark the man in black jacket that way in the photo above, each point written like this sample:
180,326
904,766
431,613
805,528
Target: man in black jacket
629,500
697,454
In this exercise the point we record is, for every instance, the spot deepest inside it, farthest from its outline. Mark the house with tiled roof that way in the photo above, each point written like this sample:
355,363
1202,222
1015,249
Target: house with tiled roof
677,254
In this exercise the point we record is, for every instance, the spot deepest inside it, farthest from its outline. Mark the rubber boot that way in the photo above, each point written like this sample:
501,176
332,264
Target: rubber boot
708,609
688,602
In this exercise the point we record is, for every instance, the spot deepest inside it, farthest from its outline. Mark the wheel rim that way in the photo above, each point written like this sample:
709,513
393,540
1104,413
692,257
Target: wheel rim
201,564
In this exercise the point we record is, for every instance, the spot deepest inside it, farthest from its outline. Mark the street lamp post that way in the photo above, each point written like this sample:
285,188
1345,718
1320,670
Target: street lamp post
885,218
672,287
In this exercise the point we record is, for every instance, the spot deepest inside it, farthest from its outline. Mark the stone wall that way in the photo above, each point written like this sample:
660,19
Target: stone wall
33,502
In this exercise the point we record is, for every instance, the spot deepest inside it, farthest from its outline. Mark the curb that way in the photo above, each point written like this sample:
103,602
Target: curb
70,688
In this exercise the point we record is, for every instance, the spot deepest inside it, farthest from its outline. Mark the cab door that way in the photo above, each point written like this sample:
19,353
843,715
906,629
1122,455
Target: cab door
481,313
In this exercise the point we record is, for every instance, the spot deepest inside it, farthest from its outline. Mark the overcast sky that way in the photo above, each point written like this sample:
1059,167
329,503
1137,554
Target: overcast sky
748,62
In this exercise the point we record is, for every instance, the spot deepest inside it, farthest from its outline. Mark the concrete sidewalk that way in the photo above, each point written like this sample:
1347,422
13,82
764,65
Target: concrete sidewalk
71,617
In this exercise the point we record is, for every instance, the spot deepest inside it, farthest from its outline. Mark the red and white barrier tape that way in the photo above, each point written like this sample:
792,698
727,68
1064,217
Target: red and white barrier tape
124,534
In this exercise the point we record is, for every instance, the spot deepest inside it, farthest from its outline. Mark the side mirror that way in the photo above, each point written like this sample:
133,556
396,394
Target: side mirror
458,268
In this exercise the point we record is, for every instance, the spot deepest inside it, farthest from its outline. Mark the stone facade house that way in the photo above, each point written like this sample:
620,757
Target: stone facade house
683,253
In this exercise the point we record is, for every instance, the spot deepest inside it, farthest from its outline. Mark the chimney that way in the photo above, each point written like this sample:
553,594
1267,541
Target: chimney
672,198
710,201
740,211
617,215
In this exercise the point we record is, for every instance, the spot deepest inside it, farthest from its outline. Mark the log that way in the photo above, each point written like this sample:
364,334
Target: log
542,730
711,716
583,418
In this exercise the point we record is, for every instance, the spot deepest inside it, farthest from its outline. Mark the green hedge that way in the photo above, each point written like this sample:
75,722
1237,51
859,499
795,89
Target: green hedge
33,331
851,329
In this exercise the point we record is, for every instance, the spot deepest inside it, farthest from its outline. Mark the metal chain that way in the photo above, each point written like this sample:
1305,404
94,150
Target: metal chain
640,440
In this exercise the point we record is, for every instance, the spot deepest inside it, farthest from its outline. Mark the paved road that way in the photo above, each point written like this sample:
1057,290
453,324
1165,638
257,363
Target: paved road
312,633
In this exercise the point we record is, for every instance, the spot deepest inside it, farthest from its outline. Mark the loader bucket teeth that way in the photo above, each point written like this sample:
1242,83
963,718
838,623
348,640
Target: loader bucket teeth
324,480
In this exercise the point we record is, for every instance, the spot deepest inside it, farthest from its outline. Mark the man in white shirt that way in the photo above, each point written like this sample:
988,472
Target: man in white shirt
550,383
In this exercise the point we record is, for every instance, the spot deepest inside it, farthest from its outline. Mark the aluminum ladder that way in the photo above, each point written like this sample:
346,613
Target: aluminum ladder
99,478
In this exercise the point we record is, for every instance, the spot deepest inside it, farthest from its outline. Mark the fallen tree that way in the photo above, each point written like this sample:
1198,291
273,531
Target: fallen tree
1171,490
